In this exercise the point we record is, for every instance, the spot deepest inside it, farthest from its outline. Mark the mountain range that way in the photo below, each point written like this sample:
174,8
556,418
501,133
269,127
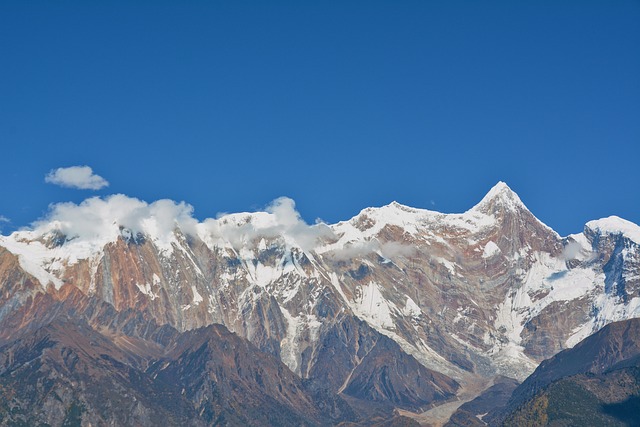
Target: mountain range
116,311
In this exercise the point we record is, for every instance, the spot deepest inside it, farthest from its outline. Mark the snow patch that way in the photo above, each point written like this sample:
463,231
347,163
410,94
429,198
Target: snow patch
490,249
146,289
502,194
448,265
36,259
411,308
338,287
197,298
609,309
297,328
616,225
546,282
371,305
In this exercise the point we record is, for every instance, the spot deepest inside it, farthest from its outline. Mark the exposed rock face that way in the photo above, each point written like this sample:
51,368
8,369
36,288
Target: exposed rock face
93,365
58,370
356,360
65,373
490,291
248,387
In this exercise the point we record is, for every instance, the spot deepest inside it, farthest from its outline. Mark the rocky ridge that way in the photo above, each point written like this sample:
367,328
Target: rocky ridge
595,383
490,291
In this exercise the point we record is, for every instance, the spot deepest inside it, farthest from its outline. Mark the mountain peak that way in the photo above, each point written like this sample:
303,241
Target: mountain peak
500,195
399,206
616,225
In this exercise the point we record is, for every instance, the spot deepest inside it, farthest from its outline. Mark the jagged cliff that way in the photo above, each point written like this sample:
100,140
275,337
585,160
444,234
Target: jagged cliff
453,296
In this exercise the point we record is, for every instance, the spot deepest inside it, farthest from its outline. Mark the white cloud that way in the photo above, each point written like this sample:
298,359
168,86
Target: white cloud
574,250
571,250
292,225
392,250
90,225
280,219
80,177
96,216
97,221
389,250
355,250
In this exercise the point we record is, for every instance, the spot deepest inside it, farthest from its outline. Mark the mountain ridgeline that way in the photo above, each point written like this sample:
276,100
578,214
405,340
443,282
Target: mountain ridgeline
116,311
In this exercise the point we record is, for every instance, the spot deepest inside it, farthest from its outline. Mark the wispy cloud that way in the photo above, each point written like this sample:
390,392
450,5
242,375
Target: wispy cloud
389,250
80,177
3,220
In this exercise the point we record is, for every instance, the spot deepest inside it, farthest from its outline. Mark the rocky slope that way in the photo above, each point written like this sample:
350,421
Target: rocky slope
56,368
490,291
595,383
608,399
473,413
65,373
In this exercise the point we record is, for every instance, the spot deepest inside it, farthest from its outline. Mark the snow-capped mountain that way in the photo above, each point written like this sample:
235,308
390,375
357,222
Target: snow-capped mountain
489,291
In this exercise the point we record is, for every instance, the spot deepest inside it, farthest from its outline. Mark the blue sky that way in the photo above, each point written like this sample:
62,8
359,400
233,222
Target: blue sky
338,105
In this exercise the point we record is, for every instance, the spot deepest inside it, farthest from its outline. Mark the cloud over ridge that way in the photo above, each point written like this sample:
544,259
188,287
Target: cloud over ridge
79,177
98,220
